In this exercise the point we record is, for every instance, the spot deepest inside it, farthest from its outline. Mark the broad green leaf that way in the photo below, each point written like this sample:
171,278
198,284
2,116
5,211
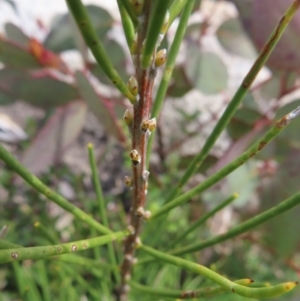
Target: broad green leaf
38,88
205,70
232,37
100,107
53,139
61,36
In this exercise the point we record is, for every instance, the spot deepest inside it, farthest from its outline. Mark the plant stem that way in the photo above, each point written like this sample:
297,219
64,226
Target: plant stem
154,28
206,292
46,191
203,219
243,227
252,151
90,36
8,255
266,292
141,110
102,207
237,98
163,86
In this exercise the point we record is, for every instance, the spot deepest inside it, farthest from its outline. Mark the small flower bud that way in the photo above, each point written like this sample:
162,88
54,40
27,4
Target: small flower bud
128,118
161,57
147,215
140,211
128,181
134,45
132,85
149,124
131,229
164,28
138,242
135,157
146,174
138,6
134,261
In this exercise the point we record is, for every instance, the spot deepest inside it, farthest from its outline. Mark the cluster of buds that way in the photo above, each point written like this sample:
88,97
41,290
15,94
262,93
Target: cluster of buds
142,213
135,157
149,124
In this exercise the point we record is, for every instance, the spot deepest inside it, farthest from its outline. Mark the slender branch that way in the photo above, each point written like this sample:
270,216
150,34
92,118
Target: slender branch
203,219
206,292
130,11
128,26
176,8
102,207
265,292
90,36
226,170
8,255
237,98
243,227
50,194
162,89
154,29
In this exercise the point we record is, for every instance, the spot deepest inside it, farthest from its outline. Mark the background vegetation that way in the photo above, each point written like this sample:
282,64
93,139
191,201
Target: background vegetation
83,106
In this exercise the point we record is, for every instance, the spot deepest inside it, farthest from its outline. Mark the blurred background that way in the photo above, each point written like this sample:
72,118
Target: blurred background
54,99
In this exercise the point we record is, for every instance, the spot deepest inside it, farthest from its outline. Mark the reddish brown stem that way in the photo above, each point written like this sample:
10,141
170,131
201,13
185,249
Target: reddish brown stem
145,79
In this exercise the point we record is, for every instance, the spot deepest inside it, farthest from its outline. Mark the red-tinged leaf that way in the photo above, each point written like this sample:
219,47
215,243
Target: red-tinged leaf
50,143
45,57
40,89
100,107
16,56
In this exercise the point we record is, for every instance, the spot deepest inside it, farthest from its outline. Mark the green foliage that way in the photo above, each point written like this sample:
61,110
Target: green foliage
152,230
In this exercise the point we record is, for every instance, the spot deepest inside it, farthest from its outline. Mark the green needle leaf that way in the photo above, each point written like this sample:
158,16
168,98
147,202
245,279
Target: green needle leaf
9,255
90,36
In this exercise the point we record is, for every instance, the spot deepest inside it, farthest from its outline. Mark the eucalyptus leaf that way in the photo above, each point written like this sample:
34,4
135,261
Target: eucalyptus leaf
15,34
232,37
61,36
53,139
118,59
206,70
39,88
16,56
101,108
